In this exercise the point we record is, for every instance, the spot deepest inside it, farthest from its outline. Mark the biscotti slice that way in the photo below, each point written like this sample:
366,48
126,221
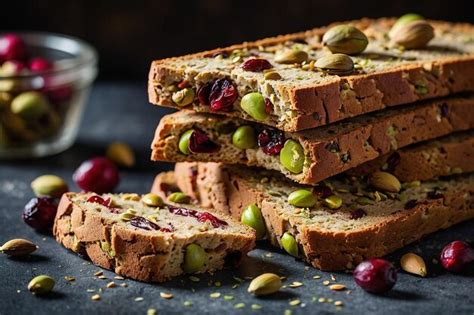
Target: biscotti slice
449,155
309,156
149,242
368,223
297,95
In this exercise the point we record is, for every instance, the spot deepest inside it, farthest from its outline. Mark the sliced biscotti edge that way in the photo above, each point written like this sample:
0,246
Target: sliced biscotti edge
328,150
138,253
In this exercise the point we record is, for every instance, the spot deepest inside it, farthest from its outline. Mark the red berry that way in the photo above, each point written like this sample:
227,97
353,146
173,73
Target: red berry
99,175
39,64
222,95
271,141
199,142
256,65
268,106
39,213
12,47
375,275
203,93
456,256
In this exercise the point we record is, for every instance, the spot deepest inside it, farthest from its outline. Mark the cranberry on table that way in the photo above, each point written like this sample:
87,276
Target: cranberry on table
99,175
12,47
457,256
39,213
375,275
40,64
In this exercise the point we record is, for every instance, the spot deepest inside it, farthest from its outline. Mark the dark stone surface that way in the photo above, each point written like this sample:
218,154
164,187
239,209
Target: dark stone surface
119,111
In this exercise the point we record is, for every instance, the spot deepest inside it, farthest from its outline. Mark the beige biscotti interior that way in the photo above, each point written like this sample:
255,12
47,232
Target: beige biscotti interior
328,150
147,243
304,97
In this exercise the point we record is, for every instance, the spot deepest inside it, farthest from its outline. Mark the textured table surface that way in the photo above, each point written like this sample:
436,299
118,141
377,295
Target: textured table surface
119,111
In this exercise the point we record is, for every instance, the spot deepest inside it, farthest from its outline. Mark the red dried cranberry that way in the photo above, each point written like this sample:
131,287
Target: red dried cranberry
39,213
199,142
271,141
200,216
457,256
256,65
203,93
183,84
12,47
99,200
99,175
322,191
392,161
357,214
142,223
410,204
39,64
375,275
268,106
222,95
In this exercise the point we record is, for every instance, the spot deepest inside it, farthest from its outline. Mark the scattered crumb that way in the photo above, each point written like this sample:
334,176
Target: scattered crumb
215,295
317,277
338,303
99,273
138,299
69,278
256,306
239,305
194,279
95,297
295,302
326,282
228,297
188,303
111,285
151,311
119,278
337,287
124,285
295,284
165,295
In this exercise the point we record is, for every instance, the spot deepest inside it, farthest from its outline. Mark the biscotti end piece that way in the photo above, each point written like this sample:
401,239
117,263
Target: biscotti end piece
298,96
323,152
367,223
147,243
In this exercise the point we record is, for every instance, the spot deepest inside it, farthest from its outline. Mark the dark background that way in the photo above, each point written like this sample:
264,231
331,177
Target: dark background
129,34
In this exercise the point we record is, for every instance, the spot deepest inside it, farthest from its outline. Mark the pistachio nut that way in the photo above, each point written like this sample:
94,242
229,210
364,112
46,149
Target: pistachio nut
265,284
41,284
345,39
183,144
152,200
30,105
179,197
337,64
254,105
413,35
18,247
271,75
126,216
412,263
302,198
49,185
290,56
333,202
195,257
183,97
404,19
121,154
385,181
252,216
289,244
244,138
292,156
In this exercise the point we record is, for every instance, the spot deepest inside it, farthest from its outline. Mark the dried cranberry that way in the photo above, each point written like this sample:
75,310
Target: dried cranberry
203,93
142,223
322,191
256,65
268,106
199,142
183,84
444,110
222,95
357,214
271,141
39,64
39,213
375,275
410,204
200,216
99,175
12,47
392,161
457,256
99,200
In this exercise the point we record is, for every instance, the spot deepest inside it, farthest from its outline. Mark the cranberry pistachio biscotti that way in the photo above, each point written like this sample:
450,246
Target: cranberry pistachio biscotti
308,156
293,82
142,238
336,225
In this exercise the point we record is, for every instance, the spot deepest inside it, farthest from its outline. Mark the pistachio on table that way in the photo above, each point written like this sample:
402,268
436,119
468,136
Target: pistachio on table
412,263
41,284
345,39
121,153
18,247
413,35
337,64
265,284
49,185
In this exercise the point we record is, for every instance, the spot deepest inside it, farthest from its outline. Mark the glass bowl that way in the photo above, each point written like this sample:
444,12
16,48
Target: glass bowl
42,99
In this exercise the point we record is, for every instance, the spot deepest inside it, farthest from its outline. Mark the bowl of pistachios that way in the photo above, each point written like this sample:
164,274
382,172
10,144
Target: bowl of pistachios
44,85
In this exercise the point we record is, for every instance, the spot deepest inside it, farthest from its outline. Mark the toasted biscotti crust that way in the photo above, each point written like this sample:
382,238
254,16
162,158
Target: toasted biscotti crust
137,253
329,248
328,150
445,68
449,155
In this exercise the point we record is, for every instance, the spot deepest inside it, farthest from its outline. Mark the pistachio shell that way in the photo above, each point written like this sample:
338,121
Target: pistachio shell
385,181
18,247
412,263
404,19
121,153
265,284
41,284
290,56
49,185
338,64
345,39
413,35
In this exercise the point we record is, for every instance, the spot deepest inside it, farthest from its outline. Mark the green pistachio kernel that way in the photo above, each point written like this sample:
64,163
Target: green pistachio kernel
179,197
292,156
244,138
183,97
183,144
30,105
195,258
254,105
333,202
407,18
41,284
252,216
152,200
302,198
289,244
49,185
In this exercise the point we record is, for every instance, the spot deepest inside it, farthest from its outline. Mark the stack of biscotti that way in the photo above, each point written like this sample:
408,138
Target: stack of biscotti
374,108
